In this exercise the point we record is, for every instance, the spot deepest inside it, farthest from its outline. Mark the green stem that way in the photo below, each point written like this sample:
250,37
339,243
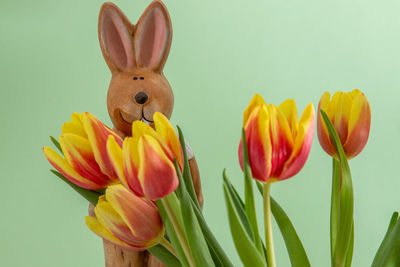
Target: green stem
334,204
268,226
177,225
166,244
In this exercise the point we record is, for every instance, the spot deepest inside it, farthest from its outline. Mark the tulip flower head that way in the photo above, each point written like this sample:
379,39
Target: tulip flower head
350,114
83,143
278,143
145,163
128,221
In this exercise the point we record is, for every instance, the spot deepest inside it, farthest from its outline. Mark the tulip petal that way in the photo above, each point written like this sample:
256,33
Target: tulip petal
140,214
324,102
359,126
157,173
168,135
65,169
111,220
97,135
79,155
74,126
322,130
257,132
302,144
342,114
131,162
140,128
96,227
289,109
254,102
281,140
333,104
115,154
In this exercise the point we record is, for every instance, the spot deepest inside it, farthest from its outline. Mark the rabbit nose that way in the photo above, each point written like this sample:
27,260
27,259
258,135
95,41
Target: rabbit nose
141,97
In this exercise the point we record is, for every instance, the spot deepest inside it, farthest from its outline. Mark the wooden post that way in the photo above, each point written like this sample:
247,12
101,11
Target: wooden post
117,257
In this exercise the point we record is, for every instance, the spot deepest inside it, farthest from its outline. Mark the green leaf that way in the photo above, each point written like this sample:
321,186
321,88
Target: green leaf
89,195
164,256
349,256
345,216
212,242
248,253
198,245
249,205
297,254
101,191
187,176
57,144
172,234
238,205
383,256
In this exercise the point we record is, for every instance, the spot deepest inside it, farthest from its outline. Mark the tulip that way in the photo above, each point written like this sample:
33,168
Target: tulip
278,143
128,221
83,143
145,163
350,114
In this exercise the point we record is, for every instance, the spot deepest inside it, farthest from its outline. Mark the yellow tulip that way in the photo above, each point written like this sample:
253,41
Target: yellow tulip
128,221
145,163
83,143
350,114
278,143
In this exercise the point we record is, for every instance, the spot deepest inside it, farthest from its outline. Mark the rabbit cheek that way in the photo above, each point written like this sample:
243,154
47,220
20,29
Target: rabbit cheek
161,98
119,122
162,104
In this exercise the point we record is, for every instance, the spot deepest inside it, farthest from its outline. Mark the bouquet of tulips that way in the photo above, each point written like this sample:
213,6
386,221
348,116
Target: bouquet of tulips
144,197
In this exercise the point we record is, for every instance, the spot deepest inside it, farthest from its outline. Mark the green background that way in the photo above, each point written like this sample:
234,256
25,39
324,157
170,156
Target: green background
222,53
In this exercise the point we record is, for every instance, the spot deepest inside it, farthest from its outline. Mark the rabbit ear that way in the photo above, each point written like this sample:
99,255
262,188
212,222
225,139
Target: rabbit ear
115,36
153,36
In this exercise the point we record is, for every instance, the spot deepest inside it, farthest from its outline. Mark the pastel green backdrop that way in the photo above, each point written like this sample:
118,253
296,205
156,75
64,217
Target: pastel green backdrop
222,53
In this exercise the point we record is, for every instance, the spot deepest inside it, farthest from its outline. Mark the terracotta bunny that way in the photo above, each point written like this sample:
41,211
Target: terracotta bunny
136,55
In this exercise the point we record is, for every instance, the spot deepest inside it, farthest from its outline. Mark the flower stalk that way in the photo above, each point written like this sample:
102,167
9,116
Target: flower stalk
268,225
334,204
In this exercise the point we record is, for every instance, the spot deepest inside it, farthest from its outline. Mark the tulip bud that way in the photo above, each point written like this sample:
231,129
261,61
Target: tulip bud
278,143
350,114
83,143
128,221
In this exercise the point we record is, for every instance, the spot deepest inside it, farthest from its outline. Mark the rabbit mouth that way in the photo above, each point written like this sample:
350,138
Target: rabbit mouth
143,119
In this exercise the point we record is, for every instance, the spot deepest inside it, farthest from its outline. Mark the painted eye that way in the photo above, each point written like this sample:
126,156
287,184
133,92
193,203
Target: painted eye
135,78
142,78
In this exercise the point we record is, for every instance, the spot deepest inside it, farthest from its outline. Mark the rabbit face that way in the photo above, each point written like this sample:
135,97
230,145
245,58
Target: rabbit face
136,55
137,95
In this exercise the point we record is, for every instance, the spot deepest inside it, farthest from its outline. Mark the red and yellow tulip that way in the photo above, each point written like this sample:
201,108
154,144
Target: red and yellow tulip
350,114
278,143
128,221
83,143
145,163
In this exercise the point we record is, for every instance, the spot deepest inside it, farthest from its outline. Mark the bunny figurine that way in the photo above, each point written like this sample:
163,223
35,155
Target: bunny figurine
136,55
